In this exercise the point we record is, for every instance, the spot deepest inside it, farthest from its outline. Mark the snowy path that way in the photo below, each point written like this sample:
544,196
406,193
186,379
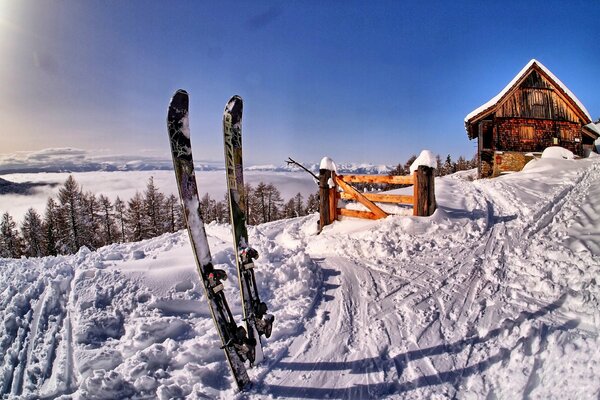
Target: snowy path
334,357
442,318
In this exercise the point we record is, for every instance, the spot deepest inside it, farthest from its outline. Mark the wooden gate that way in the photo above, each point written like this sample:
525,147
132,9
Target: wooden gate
422,200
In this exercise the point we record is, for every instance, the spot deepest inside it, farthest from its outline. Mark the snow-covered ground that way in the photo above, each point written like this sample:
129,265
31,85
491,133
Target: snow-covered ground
494,296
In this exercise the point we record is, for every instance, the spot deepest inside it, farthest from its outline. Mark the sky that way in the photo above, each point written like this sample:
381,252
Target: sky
357,81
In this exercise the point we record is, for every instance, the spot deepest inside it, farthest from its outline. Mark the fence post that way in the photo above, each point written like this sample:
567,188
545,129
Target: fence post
425,203
333,198
324,201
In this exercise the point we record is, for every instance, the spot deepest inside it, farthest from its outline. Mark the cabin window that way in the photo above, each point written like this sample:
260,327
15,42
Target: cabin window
566,135
526,133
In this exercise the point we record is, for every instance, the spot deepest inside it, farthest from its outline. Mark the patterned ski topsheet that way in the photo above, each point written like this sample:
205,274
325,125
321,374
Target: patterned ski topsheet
232,136
179,137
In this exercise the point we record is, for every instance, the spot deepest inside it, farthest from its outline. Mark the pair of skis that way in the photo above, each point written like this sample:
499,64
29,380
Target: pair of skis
240,344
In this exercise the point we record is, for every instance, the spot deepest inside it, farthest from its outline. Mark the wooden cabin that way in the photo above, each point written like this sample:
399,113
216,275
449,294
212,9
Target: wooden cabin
534,111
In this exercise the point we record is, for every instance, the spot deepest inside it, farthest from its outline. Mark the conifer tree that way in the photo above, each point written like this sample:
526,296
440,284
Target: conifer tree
312,203
108,232
250,206
135,218
439,167
153,209
259,203
274,202
90,221
120,211
51,223
10,242
69,197
174,219
448,166
299,205
289,209
33,235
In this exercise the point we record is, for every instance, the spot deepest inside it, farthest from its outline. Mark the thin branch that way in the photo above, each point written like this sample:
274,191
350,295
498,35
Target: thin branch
291,161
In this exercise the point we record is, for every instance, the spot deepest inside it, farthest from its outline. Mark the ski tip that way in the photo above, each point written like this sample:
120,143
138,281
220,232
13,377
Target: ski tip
180,100
234,105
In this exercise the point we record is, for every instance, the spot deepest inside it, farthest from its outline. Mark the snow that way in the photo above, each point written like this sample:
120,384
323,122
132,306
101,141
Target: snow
508,87
426,158
327,163
558,152
494,296
594,127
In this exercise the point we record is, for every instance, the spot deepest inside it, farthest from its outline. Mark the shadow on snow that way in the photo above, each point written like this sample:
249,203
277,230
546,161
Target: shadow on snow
454,377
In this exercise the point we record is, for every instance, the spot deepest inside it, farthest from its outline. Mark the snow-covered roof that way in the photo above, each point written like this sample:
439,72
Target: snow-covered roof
594,127
518,78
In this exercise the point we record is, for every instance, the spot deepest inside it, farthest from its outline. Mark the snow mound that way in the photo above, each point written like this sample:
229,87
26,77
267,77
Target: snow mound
426,158
327,163
559,153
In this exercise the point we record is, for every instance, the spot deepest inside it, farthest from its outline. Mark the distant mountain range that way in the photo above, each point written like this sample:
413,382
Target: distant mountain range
72,160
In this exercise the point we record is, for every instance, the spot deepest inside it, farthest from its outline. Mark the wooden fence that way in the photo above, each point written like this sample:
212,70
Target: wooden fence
422,200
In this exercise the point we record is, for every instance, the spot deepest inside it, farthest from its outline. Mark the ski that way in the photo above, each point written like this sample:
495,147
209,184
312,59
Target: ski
235,342
258,322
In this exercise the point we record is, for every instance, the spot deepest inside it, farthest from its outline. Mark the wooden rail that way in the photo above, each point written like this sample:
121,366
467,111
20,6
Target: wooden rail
422,200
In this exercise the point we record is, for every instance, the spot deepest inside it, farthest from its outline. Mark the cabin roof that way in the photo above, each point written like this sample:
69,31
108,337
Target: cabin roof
487,107
594,128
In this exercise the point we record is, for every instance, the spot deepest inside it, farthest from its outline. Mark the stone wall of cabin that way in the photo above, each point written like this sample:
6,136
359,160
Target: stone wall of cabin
509,161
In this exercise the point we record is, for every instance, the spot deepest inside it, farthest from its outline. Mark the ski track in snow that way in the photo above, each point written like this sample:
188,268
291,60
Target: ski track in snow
495,296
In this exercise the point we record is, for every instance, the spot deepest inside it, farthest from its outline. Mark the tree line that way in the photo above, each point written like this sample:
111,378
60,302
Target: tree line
76,218
446,167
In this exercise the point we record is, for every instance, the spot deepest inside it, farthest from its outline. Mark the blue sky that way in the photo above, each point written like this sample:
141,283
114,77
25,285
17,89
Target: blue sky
357,81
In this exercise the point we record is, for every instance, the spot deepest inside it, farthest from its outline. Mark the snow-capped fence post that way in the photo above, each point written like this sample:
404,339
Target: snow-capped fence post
424,191
327,193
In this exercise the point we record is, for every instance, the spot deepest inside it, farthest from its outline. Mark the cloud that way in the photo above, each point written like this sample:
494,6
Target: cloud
77,160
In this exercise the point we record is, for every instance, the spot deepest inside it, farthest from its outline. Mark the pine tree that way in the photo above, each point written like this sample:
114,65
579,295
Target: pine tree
51,223
289,209
274,202
174,217
135,218
221,211
90,221
207,208
448,166
226,217
248,200
299,205
259,203
408,163
120,220
10,242
33,234
108,232
461,164
439,167
153,208
312,203
69,197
